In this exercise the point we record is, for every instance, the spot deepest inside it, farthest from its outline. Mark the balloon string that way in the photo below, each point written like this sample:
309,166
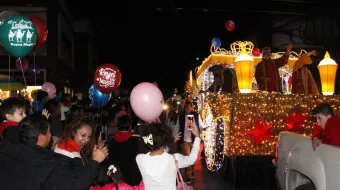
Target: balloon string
23,75
35,71
9,71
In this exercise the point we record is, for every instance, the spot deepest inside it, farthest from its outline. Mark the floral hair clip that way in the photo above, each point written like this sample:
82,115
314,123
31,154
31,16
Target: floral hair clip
111,170
148,139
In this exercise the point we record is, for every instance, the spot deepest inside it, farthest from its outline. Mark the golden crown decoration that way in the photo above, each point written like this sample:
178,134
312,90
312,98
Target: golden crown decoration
242,46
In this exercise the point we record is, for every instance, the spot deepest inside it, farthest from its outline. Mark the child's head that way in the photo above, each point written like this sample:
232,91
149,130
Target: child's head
157,135
13,109
108,174
323,112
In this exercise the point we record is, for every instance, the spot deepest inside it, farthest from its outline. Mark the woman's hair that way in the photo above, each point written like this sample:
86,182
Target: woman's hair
103,179
160,134
72,128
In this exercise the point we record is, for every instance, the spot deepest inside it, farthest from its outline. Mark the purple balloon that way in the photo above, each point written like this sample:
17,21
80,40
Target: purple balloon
146,101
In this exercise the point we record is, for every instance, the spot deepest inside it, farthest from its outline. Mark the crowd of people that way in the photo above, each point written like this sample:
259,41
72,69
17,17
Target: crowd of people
62,143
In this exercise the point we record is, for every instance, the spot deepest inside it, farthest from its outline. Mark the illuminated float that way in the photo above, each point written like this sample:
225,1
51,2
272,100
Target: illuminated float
247,123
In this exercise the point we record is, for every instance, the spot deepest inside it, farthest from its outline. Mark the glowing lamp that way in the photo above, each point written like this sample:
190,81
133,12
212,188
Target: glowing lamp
327,69
244,68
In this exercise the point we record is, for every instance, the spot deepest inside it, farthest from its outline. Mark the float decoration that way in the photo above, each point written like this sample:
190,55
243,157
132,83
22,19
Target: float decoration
327,69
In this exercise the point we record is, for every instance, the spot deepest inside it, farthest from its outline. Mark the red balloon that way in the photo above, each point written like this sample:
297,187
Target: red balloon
107,78
42,31
230,25
24,64
256,52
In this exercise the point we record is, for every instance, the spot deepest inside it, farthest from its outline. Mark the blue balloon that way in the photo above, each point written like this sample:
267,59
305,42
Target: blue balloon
216,42
98,98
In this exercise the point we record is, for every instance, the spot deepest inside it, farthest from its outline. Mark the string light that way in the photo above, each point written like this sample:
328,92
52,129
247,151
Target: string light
231,116
216,136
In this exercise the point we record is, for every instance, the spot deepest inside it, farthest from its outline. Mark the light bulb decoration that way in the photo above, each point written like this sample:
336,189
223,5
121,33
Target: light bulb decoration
327,70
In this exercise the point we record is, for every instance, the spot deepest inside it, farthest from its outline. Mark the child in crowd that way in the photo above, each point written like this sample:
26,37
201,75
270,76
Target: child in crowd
13,110
110,178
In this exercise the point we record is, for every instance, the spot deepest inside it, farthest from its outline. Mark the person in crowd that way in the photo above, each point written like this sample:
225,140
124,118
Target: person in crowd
77,141
28,107
110,178
124,148
13,110
53,108
65,107
187,139
112,128
330,126
30,165
158,167
171,121
39,102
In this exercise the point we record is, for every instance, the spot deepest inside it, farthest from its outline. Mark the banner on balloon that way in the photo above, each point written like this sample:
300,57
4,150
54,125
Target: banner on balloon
107,78
18,35
28,12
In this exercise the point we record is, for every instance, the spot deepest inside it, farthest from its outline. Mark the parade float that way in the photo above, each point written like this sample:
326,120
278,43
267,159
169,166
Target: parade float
247,122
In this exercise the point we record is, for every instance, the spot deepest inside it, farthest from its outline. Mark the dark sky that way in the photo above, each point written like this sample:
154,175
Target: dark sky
148,44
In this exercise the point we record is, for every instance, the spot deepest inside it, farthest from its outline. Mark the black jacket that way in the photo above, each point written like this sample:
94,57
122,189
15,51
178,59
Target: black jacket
123,152
26,167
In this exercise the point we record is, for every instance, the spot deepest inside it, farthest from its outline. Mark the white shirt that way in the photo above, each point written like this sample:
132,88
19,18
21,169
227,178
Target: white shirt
187,134
159,172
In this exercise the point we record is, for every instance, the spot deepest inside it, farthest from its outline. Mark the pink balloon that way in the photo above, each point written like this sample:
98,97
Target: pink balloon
155,83
146,101
50,89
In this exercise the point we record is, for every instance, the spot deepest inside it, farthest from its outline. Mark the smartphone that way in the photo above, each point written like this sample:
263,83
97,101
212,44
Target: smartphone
190,120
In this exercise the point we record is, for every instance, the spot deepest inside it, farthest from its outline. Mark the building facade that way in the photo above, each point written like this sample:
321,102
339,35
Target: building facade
55,60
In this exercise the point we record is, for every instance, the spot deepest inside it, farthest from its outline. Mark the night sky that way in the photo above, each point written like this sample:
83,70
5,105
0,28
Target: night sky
151,44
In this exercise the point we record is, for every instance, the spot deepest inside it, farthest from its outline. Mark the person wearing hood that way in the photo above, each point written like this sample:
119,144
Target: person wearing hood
124,148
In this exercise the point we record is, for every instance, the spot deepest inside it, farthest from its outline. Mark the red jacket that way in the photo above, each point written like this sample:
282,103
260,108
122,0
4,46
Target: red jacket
331,134
4,125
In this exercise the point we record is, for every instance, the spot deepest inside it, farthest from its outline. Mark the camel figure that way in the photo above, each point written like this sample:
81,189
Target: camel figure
20,34
29,36
11,35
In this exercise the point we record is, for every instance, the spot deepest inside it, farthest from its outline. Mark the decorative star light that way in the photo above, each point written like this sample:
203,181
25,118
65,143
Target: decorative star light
295,121
260,132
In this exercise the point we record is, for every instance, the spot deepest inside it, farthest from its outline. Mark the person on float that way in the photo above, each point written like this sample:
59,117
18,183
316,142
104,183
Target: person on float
329,131
267,71
302,79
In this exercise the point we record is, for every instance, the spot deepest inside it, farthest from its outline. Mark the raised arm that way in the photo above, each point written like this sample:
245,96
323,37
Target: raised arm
280,62
185,161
